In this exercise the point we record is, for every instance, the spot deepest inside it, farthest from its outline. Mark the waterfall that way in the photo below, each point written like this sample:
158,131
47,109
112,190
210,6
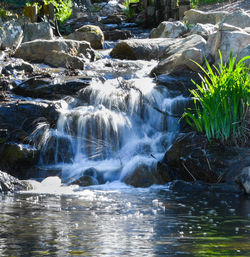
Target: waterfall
113,126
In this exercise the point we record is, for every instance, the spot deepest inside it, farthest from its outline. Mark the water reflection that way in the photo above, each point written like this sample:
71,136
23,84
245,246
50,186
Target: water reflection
126,222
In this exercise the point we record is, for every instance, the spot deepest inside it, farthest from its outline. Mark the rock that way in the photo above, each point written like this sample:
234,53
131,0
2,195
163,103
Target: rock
90,33
33,31
179,55
18,115
195,16
141,49
113,19
47,88
18,65
192,158
11,35
144,176
238,18
203,30
168,29
89,177
179,80
11,184
240,173
244,179
228,38
110,8
57,53
114,35
18,158
243,53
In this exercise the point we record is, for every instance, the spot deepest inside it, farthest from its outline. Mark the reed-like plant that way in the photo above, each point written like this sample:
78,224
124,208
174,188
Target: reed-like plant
222,101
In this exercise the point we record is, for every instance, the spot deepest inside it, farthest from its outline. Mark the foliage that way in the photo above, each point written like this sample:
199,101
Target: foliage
63,9
222,101
129,12
196,3
3,13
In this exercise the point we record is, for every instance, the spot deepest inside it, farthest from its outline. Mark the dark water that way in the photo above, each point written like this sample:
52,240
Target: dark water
121,221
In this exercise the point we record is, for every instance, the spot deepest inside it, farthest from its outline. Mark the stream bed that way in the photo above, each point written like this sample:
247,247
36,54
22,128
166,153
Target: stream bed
118,220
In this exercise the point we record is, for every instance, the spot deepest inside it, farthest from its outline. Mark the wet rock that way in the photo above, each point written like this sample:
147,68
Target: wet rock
17,115
228,38
199,187
238,18
113,19
9,183
57,53
144,176
17,65
179,81
89,177
33,31
203,30
114,35
168,29
179,55
196,16
47,88
11,35
17,158
90,33
141,49
192,157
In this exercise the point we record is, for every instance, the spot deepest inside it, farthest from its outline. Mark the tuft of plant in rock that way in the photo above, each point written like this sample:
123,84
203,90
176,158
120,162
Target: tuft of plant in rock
222,102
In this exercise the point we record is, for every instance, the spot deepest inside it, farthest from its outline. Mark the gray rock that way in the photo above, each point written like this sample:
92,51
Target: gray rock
57,53
9,183
90,33
33,31
18,65
169,30
238,18
180,53
228,38
243,53
244,179
114,35
141,49
203,30
196,16
11,35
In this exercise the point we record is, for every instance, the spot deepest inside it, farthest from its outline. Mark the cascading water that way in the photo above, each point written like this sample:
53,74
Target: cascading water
113,127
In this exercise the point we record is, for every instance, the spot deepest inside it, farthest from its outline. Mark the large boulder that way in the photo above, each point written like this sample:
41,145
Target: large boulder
33,31
9,183
169,29
90,33
181,54
192,157
238,18
203,30
109,8
141,49
11,35
57,53
196,16
228,38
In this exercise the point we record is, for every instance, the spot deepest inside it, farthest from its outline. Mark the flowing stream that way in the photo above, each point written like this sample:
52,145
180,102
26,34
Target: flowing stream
120,123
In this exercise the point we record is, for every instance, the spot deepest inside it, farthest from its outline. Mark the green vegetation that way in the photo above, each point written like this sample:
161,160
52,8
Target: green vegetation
222,102
196,3
3,13
130,12
63,9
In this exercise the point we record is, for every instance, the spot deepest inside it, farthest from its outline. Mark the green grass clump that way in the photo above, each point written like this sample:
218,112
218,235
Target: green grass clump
222,102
